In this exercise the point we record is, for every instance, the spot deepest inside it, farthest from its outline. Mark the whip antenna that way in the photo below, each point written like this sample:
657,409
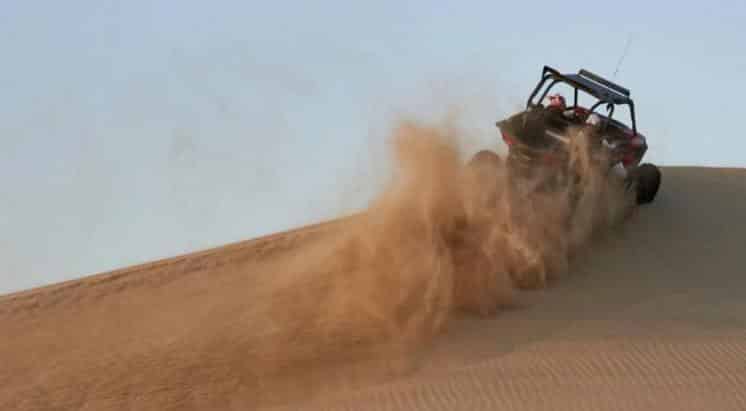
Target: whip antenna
624,54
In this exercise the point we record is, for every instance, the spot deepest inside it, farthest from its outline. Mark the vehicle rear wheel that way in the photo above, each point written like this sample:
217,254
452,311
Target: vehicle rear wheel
648,179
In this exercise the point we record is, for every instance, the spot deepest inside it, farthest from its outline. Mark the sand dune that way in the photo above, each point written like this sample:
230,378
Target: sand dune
654,319
651,318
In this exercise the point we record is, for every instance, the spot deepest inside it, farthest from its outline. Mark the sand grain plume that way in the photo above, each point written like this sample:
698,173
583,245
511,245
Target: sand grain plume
355,305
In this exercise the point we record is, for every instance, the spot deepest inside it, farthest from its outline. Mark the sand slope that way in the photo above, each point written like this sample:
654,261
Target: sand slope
653,318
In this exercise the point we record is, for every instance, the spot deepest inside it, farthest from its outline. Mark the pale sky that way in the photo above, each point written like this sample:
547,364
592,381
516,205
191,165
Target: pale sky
139,130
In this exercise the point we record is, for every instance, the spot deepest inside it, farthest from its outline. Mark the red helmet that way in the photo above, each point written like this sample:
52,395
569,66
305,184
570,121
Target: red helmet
557,100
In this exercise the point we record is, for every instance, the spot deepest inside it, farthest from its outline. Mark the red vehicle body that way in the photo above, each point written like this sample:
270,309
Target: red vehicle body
539,135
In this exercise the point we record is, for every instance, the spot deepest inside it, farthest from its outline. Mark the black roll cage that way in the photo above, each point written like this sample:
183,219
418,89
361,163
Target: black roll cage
602,89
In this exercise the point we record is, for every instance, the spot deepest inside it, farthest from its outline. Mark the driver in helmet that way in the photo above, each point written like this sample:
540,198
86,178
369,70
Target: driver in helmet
557,102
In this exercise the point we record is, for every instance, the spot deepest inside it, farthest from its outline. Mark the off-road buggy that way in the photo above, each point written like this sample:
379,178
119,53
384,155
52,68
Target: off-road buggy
540,136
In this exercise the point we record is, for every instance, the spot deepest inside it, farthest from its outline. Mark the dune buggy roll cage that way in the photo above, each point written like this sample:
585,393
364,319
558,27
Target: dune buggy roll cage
602,89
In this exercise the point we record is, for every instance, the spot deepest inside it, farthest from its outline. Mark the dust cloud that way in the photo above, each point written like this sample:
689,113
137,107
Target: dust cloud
356,305
445,235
